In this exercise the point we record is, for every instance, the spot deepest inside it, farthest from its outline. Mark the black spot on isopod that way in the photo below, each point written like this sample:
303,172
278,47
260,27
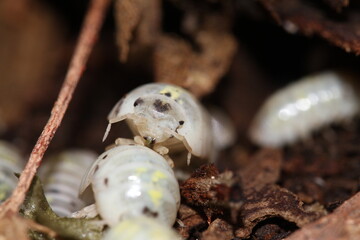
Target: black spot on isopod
148,212
106,181
160,106
138,102
104,156
181,122
168,94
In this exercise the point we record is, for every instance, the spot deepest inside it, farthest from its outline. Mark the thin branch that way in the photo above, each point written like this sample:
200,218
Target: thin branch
88,36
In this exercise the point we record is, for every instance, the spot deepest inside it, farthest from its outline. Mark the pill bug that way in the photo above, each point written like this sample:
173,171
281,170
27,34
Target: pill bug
10,162
140,228
130,181
62,174
166,115
295,111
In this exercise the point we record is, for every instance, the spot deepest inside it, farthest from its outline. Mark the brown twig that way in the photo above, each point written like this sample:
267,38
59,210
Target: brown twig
87,39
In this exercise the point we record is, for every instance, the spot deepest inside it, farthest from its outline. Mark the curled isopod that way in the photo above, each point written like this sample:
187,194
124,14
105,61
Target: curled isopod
141,228
295,111
10,162
166,115
130,181
62,174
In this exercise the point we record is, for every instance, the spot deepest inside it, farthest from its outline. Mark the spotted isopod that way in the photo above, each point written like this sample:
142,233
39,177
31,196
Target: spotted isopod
130,181
168,116
10,162
62,175
295,111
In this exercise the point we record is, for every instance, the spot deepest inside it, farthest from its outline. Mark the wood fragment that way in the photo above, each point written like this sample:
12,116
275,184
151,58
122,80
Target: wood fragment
343,224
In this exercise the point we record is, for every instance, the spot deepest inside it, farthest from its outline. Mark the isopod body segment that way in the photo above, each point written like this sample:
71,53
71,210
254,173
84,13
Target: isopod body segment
293,112
62,174
130,181
10,162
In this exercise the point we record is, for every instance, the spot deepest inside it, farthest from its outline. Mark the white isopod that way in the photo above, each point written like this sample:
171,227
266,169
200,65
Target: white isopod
10,162
167,116
62,175
294,112
130,181
140,228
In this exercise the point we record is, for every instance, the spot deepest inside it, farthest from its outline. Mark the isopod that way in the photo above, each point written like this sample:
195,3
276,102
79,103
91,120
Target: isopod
130,181
62,175
295,111
10,162
140,228
166,115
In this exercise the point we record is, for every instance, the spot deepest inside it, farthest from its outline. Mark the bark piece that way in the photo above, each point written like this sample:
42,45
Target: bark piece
272,201
343,224
218,229
190,221
264,169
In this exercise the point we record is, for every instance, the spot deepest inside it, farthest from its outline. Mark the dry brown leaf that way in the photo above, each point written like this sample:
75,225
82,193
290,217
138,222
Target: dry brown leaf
137,20
296,15
176,62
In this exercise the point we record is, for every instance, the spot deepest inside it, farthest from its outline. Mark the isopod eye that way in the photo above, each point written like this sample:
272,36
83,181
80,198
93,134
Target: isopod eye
138,102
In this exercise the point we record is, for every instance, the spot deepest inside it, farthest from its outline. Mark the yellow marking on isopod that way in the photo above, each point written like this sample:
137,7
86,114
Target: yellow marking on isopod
141,170
157,176
174,91
155,196
128,226
158,234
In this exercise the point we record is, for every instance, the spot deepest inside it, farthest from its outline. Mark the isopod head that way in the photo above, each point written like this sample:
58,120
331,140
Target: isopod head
167,115
295,111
